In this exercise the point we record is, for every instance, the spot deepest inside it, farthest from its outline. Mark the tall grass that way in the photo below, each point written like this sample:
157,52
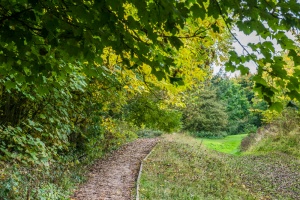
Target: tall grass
181,167
282,136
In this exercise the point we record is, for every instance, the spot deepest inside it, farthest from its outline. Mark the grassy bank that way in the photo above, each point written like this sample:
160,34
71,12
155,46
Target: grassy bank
181,167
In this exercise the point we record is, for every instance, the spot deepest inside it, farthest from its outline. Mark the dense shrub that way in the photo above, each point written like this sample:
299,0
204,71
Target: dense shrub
148,133
54,179
208,134
46,140
145,112
38,182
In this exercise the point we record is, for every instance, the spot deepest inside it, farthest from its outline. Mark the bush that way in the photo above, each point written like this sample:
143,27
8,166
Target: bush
146,112
38,182
55,179
148,133
208,134
249,128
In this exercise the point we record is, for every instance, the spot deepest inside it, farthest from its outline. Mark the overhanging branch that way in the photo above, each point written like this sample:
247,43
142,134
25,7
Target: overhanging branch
227,26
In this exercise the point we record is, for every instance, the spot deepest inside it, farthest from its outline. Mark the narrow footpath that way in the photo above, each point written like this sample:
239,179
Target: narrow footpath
114,177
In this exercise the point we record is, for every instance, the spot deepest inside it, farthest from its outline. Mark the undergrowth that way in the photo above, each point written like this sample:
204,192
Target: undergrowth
58,178
39,182
281,136
148,133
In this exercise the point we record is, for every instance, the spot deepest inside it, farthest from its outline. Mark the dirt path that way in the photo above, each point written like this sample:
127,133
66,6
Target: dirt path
114,177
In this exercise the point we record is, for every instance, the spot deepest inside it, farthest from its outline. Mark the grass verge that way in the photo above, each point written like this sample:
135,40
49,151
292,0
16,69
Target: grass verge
181,168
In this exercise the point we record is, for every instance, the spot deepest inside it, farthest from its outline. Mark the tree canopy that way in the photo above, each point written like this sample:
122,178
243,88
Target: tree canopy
44,41
64,61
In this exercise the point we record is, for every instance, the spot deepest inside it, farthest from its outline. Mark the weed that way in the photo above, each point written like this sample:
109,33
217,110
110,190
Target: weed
281,136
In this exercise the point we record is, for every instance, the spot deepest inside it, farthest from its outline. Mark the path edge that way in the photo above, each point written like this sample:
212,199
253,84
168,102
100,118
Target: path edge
137,196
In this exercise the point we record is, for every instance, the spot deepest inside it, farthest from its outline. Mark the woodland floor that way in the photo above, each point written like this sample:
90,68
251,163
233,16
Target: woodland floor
114,177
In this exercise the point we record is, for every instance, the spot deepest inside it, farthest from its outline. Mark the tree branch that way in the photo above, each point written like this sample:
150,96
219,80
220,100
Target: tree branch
244,49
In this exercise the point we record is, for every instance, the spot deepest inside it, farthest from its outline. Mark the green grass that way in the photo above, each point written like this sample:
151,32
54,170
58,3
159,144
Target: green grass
229,144
181,167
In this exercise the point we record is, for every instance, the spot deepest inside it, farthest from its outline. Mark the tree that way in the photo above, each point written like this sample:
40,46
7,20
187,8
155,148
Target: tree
146,111
40,39
203,112
237,94
52,52
68,65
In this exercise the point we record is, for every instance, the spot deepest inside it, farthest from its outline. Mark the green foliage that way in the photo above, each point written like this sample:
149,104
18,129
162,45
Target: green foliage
21,147
204,114
147,133
35,128
56,179
237,105
145,111
238,96
253,13
59,89
208,134
256,106
45,39
36,182
225,106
